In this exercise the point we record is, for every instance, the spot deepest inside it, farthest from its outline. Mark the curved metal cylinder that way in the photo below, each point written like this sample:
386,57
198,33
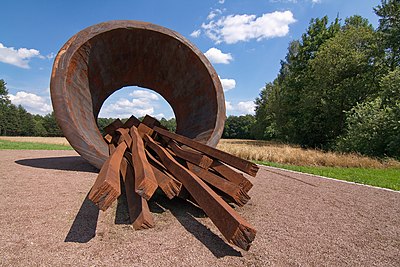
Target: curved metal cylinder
103,58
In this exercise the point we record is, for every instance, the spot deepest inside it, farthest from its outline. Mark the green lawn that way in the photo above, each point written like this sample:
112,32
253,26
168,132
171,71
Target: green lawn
386,178
31,146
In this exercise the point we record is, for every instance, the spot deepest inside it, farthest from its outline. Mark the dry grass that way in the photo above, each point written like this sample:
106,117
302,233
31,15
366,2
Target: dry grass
285,154
34,139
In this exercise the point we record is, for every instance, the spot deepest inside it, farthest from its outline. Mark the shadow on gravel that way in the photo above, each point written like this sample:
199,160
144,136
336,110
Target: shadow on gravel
186,213
72,163
83,228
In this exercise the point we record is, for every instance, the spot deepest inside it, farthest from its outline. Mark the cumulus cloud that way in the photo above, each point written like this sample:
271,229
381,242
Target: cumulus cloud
31,102
18,57
195,33
235,28
227,84
142,102
145,95
217,56
221,1
241,108
246,107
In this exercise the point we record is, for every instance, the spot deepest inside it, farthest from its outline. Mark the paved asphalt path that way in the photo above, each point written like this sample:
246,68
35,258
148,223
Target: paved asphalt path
45,220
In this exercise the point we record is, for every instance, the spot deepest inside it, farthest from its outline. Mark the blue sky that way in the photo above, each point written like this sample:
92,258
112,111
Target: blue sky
245,41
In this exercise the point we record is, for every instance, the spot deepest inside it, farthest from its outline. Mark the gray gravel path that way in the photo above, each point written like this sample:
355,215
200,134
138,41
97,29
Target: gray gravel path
301,220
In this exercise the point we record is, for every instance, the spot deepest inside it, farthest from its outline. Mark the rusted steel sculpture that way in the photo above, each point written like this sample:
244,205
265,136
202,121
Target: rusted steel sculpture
103,58
143,155
178,164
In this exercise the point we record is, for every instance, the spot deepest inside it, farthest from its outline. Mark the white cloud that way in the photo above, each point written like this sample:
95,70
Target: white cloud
316,1
227,84
142,94
216,56
234,28
213,13
195,33
241,108
228,106
20,57
32,103
221,1
142,102
246,107
124,108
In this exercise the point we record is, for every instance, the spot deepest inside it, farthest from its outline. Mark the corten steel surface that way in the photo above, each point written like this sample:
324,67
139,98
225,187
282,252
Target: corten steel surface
105,57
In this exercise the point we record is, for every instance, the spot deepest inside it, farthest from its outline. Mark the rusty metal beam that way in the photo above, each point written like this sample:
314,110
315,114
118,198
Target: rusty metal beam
232,226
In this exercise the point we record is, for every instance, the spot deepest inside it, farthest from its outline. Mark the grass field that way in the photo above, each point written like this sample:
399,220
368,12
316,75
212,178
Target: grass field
349,167
383,177
6,144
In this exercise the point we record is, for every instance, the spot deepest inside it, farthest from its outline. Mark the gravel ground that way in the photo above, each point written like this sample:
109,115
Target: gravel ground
305,220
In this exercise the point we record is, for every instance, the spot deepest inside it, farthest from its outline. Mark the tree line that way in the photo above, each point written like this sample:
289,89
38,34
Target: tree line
16,121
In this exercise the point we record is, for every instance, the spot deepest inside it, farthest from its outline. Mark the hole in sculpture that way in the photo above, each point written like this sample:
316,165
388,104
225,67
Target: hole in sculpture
137,101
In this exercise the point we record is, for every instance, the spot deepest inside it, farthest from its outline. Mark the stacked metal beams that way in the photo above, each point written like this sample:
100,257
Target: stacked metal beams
147,156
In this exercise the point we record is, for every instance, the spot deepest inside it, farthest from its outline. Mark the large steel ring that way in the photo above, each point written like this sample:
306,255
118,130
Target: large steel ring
103,58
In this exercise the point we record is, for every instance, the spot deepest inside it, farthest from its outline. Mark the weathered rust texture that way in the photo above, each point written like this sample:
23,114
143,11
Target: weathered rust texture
232,226
124,136
103,58
145,182
241,164
190,156
231,175
106,188
139,212
230,190
110,129
132,121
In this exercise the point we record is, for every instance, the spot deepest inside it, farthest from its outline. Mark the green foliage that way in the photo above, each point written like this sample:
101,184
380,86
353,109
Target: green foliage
343,74
239,127
373,128
169,124
389,30
51,126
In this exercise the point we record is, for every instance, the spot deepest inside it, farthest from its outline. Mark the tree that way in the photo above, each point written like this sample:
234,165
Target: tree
345,72
39,129
51,126
169,124
4,102
373,129
239,127
26,124
279,109
389,30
